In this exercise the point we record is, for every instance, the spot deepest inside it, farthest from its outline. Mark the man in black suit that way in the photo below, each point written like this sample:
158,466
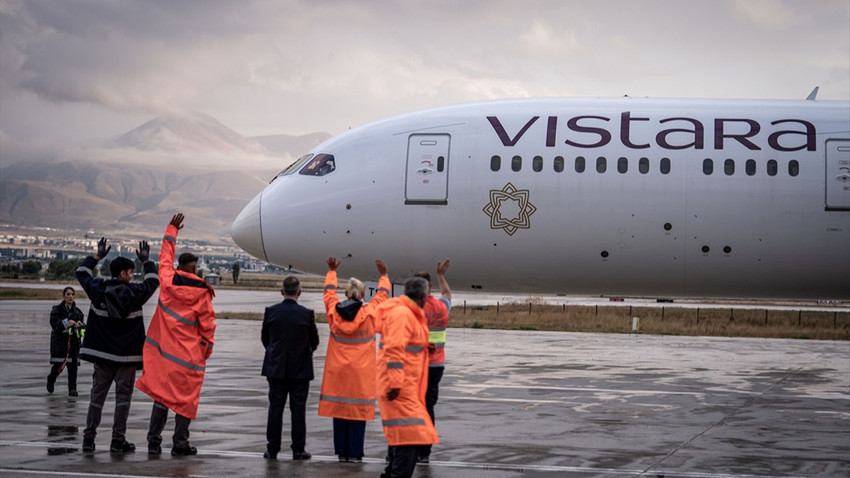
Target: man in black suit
290,336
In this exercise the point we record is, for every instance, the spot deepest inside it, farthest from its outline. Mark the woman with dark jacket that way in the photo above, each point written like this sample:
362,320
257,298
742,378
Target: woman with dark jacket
66,320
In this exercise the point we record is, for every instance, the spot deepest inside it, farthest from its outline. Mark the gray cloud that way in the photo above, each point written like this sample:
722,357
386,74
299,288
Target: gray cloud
299,66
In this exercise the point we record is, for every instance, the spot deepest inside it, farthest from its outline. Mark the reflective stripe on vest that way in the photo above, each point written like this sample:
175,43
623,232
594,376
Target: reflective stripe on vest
398,422
345,340
169,238
414,349
395,365
180,318
350,401
173,358
111,357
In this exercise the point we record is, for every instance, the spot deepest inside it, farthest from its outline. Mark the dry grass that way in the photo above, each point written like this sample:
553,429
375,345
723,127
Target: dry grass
20,293
765,323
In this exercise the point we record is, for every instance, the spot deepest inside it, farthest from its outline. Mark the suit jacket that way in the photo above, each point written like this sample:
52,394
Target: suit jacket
290,336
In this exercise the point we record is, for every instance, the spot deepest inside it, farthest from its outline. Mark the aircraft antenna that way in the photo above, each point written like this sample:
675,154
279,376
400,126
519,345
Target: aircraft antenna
813,94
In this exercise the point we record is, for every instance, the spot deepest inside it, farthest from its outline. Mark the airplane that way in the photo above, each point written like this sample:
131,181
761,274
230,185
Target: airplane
618,197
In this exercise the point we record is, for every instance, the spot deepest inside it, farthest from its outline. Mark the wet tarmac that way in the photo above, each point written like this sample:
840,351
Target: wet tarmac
512,404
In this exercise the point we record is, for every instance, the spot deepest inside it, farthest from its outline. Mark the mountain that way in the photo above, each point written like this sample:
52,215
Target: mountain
135,183
183,133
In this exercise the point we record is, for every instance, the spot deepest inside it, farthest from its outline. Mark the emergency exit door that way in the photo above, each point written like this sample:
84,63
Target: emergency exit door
838,175
427,178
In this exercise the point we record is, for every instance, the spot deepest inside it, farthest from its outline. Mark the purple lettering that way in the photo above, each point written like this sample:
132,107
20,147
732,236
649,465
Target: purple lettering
720,134
503,135
810,144
698,132
604,134
625,125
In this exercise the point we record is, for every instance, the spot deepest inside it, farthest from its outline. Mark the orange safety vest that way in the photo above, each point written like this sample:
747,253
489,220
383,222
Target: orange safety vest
180,337
437,313
348,382
403,364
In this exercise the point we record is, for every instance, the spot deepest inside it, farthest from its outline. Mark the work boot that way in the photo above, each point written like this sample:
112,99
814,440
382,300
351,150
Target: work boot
184,451
301,455
88,445
122,446
154,449
51,381
73,393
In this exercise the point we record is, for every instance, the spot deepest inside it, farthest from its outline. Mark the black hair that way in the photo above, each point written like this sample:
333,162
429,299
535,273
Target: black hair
187,258
423,274
416,288
291,285
119,265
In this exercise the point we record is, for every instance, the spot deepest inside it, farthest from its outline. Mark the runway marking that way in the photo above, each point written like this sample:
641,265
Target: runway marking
380,461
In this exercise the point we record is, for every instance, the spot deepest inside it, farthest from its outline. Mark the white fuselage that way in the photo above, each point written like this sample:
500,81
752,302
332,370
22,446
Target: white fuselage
615,197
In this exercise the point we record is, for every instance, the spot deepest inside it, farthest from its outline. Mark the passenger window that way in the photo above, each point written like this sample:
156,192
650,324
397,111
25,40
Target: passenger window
793,168
772,167
622,165
495,163
516,163
643,165
751,167
320,165
601,164
293,167
707,166
537,164
580,164
558,164
665,166
729,167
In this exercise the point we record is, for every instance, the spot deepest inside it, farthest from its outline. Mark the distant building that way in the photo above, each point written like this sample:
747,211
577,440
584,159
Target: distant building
212,278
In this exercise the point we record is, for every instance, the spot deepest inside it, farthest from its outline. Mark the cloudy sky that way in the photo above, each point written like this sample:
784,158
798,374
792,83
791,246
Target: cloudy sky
75,70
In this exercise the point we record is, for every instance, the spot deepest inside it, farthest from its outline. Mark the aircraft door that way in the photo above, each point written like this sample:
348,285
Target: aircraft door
427,178
837,175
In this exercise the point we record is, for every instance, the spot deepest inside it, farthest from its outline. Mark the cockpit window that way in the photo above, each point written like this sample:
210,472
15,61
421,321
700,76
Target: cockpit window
320,165
294,166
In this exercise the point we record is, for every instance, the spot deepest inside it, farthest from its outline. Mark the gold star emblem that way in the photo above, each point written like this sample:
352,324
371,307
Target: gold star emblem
509,209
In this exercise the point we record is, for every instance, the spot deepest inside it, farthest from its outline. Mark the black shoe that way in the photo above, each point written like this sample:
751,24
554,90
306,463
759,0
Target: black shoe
301,455
50,383
88,446
270,456
184,451
355,460
73,393
122,446
154,449
423,459
343,459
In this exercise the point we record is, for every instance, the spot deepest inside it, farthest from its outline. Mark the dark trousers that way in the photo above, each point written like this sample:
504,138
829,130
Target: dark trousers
159,415
402,461
278,391
435,374
72,374
102,378
348,437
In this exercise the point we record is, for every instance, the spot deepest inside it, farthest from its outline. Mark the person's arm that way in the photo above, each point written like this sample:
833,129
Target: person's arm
395,341
167,251
85,273
330,296
58,320
314,333
442,267
206,325
264,333
146,289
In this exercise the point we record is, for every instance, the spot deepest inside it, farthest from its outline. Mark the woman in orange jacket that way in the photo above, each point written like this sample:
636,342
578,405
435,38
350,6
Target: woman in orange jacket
348,384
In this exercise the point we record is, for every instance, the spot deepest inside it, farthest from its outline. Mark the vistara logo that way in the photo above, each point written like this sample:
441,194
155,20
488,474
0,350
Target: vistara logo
509,209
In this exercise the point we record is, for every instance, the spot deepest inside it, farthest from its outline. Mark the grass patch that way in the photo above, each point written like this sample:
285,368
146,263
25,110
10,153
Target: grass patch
22,293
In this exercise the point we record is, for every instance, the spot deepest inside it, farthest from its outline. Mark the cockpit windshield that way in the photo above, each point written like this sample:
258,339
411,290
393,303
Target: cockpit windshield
320,165
293,167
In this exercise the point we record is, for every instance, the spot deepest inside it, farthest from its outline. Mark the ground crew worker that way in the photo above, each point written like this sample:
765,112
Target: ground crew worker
437,313
348,385
403,378
67,326
115,336
179,342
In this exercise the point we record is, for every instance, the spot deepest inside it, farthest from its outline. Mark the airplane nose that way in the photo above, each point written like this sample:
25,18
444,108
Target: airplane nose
247,232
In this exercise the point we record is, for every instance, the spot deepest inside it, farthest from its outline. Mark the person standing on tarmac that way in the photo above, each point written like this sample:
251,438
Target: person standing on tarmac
348,384
290,337
403,378
66,322
437,313
115,336
178,344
